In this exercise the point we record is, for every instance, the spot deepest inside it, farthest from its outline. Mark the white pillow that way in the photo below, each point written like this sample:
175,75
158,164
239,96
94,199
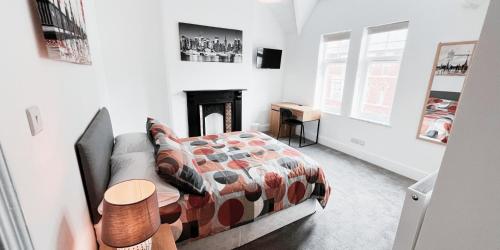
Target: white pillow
132,142
141,165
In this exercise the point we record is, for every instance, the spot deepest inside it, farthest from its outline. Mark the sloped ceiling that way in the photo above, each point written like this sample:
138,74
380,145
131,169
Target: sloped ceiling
291,14
303,10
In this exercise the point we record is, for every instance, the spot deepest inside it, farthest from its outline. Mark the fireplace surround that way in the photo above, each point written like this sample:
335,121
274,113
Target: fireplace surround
203,103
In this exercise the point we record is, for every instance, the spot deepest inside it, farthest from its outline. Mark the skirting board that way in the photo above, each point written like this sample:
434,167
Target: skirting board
246,233
264,127
260,127
392,166
385,163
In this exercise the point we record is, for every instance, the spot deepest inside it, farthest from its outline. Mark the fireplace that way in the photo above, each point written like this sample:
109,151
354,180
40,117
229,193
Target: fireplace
213,111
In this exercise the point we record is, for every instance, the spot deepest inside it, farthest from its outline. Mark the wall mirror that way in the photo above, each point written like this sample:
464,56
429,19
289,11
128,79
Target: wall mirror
447,79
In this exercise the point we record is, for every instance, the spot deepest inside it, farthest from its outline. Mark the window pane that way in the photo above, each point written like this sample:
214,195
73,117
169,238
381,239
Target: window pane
379,91
333,87
332,72
379,69
387,44
336,50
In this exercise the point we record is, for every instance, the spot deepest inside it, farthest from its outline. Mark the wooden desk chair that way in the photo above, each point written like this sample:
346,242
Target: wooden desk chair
286,118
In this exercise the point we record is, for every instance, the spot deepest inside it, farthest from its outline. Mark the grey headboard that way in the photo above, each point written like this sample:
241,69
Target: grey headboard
93,150
448,95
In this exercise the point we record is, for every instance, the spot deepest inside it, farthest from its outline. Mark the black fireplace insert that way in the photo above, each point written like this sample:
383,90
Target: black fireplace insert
201,103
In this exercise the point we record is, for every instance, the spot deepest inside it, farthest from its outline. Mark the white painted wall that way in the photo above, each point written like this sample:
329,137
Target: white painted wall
134,63
463,212
448,83
133,50
396,147
284,13
44,168
303,10
259,30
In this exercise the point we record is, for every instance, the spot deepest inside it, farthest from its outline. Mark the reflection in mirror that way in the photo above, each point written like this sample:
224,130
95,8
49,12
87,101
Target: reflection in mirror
448,75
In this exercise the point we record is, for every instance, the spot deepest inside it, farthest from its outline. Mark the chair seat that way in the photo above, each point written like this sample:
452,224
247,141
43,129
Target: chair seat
292,122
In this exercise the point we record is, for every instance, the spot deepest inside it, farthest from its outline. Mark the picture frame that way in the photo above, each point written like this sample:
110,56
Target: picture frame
64,30
450,69
200,43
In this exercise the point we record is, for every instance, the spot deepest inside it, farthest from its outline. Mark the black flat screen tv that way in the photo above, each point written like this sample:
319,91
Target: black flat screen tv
268,58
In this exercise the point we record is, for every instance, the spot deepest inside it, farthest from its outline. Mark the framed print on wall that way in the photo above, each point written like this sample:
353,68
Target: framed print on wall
200,43
451,65
63,27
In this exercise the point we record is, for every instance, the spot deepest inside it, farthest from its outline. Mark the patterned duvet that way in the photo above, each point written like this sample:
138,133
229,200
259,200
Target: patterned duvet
247,175
438,119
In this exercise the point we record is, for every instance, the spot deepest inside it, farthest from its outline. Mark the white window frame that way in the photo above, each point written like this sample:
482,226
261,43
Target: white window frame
363,65
14,233
322,65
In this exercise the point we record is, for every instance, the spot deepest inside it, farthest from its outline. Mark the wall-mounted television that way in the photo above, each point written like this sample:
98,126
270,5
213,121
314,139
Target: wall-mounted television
268,58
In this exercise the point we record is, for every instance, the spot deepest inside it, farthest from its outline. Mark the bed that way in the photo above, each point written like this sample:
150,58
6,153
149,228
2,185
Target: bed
255,185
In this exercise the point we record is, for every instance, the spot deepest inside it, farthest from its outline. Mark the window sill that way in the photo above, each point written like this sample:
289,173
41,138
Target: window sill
331,113
372,121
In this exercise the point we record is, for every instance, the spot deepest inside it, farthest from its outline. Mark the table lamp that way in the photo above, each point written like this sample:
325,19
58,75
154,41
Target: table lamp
130,215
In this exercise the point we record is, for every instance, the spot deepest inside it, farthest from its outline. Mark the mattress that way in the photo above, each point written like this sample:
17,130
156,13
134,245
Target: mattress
248,175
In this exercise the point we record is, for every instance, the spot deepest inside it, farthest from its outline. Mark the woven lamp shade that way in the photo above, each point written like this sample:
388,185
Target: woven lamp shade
130,213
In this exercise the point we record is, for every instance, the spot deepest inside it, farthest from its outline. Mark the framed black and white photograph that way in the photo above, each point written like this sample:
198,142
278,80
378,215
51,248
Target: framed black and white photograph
63,27
200,43
454,59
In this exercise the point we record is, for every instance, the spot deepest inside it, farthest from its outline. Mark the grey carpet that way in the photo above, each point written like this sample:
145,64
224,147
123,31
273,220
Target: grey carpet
363,211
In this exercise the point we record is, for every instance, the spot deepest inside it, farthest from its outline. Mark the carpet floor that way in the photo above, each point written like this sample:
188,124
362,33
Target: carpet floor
363,211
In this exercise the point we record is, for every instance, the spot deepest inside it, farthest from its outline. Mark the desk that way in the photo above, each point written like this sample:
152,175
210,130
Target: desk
301,113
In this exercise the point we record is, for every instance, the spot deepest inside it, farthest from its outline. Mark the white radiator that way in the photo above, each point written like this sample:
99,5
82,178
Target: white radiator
412,215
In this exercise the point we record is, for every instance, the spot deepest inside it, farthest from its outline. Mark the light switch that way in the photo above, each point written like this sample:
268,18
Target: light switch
34,119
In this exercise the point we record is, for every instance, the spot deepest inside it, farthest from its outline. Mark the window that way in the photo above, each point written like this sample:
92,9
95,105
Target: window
378,71
331,73
13,230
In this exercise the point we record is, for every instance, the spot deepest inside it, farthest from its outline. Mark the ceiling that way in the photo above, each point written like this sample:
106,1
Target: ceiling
294,14
291,14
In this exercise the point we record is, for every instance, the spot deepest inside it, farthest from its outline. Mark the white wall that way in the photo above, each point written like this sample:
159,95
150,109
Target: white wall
259,30
303,10
464,208
133,48
134,63
44,168
448,83
395,147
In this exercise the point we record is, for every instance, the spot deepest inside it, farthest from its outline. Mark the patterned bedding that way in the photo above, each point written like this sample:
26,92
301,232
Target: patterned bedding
247,175
438,119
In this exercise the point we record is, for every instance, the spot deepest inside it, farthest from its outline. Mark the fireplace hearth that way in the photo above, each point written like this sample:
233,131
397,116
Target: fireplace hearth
214,111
